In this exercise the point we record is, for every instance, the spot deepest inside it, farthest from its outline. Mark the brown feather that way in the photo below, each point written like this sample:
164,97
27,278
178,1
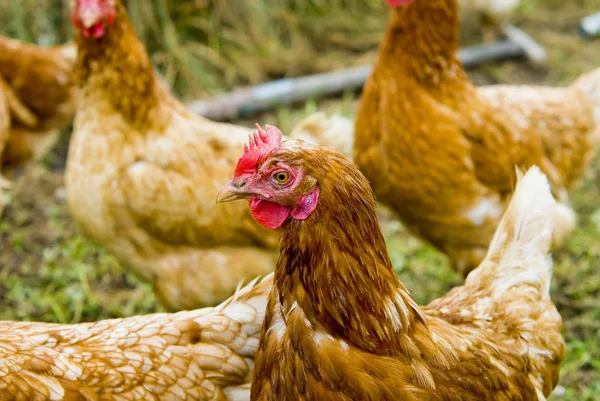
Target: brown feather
340,325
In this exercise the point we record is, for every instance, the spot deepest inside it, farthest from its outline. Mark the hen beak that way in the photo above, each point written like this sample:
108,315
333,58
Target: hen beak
233,190
90,16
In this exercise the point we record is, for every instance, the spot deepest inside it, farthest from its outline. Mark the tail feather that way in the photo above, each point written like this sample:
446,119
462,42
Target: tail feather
248,305
335,132
518,254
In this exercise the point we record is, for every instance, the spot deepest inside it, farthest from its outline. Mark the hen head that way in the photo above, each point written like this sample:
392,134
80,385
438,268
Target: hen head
398,3
93,16
275,177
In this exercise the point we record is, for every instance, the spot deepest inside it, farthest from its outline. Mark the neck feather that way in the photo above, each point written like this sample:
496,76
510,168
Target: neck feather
335,266
423,39
117,66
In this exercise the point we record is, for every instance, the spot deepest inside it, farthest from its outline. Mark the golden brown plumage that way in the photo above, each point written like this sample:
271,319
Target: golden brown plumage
197,355
340,325
442,152
43,95
142,175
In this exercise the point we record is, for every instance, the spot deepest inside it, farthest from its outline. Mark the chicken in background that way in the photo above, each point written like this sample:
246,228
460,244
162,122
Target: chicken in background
203,354
335,132
4,134
441,152
340,325
40,80
142,172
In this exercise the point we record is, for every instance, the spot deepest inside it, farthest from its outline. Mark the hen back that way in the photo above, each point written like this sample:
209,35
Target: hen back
441,152
205,354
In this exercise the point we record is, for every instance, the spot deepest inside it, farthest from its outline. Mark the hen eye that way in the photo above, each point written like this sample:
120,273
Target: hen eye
281,177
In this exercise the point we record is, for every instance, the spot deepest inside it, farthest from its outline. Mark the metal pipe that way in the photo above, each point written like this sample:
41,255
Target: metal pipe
251,100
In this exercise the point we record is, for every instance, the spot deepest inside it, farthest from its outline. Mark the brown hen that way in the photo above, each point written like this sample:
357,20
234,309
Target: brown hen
340,325
43,96
441,152
204,354
142,171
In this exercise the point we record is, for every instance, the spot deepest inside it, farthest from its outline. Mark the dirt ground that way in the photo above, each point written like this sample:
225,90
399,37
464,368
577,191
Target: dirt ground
50,272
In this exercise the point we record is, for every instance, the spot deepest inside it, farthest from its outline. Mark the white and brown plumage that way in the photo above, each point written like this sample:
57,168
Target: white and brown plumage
204,354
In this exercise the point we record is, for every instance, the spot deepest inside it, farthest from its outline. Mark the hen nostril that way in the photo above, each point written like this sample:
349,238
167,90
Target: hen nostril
239,184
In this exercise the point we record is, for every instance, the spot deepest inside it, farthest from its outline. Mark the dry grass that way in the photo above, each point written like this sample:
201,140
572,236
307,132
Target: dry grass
206,46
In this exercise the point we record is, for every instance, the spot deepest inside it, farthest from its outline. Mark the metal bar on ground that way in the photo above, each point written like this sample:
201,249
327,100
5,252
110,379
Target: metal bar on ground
534,52
248,101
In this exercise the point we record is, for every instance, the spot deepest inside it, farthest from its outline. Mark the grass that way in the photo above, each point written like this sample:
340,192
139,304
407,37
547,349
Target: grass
204,47
51,272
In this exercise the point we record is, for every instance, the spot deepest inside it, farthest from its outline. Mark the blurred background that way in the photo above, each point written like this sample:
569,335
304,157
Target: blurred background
50,272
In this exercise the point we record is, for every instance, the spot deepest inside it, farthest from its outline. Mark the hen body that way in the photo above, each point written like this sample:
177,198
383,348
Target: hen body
205,354
143,172
441,152
43,92
340,326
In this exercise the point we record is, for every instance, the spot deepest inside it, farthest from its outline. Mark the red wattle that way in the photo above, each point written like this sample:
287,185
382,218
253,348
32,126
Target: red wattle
269,214
98,30
306,205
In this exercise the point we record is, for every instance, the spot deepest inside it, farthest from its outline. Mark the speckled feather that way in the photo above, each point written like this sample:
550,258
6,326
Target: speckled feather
204,354
340,326
42,84
442,152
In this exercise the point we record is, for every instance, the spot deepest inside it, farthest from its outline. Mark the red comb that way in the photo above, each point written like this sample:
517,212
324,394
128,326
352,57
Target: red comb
398,3
260,144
